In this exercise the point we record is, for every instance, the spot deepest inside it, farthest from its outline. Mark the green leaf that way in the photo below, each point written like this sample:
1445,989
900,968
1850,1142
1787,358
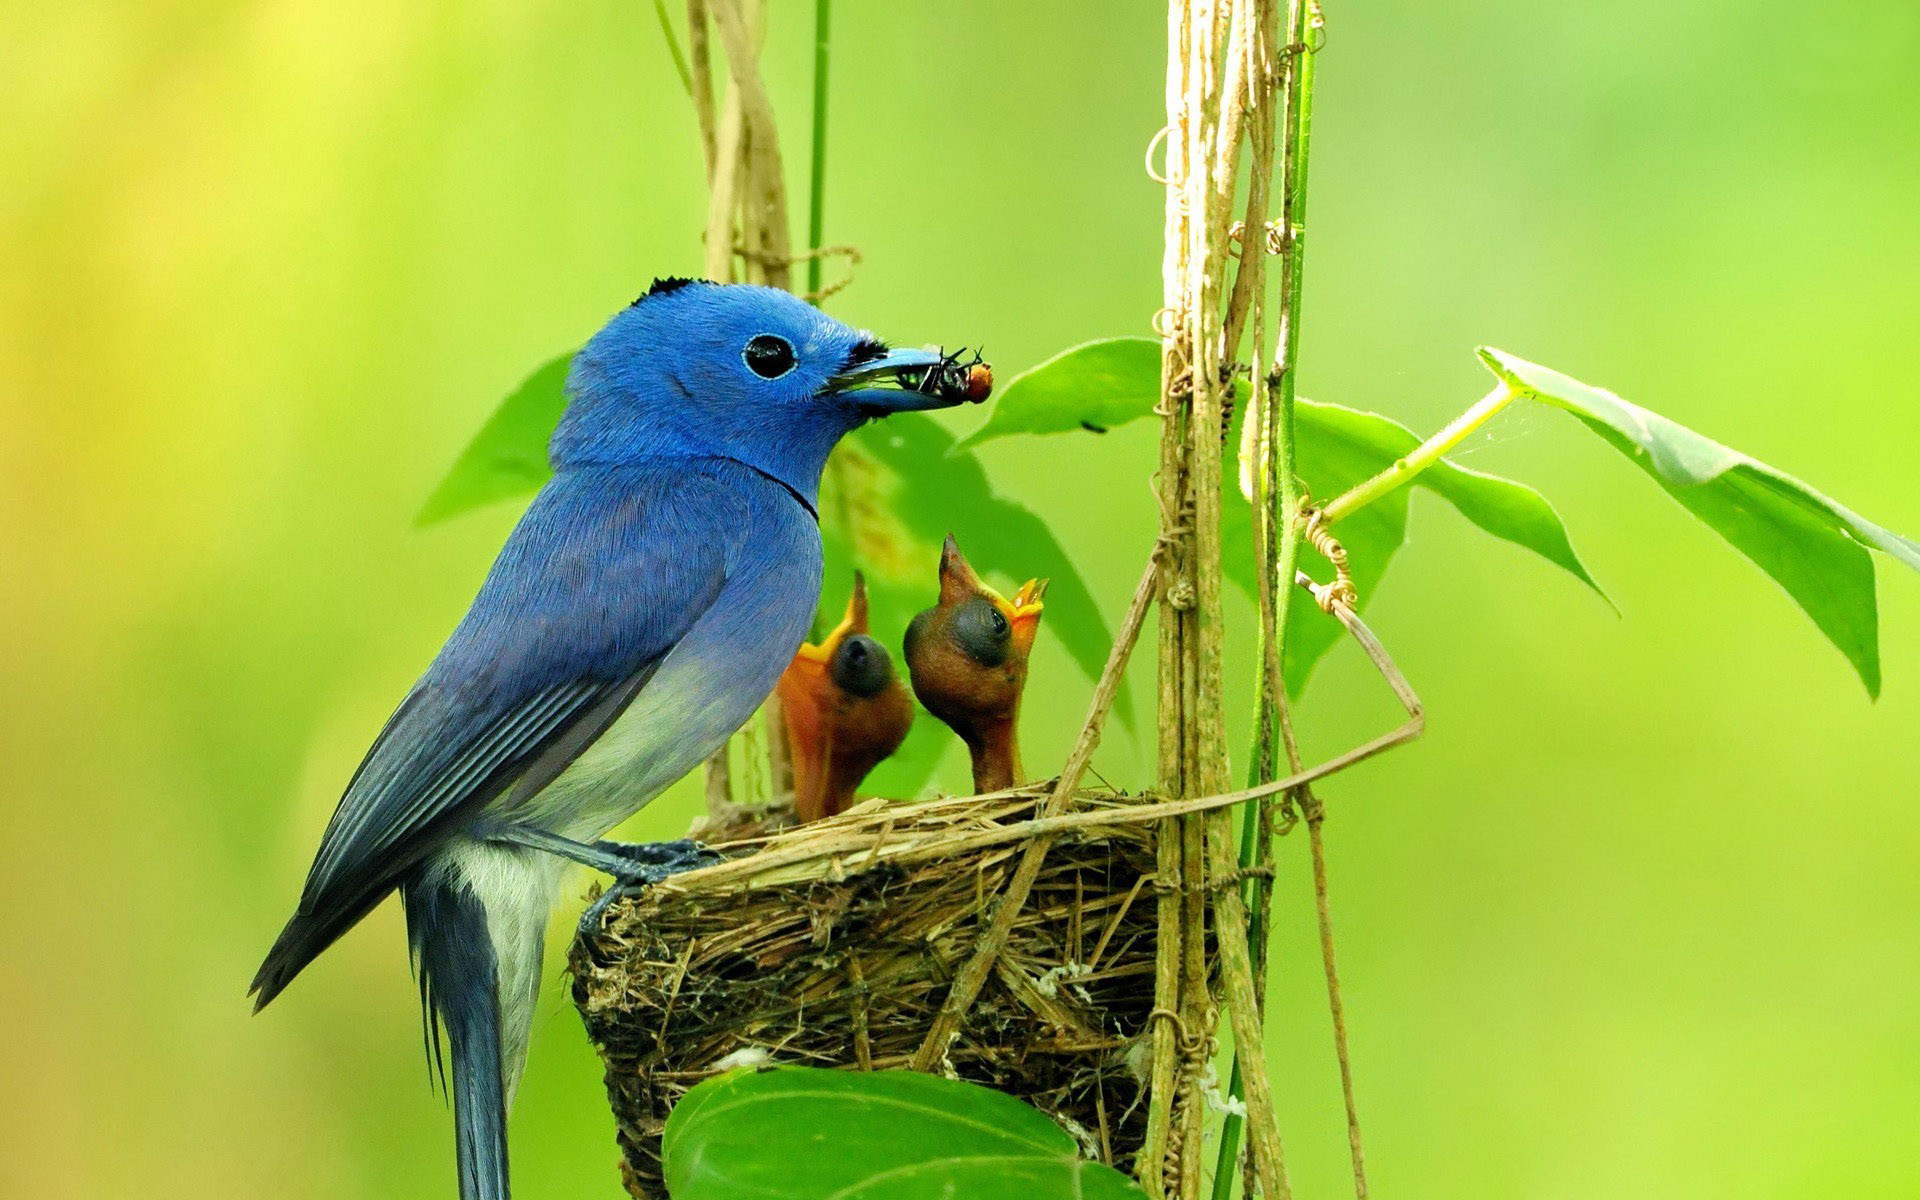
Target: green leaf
1093,386
1340,447
1814,547
1103,384
508,457
803,1133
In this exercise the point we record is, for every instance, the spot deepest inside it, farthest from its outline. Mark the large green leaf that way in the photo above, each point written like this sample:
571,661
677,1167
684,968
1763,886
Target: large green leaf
508,457
1093,386
803,1133
1813,546
893,492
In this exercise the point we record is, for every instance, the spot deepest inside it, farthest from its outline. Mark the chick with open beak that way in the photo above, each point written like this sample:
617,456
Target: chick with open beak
846,710
967,657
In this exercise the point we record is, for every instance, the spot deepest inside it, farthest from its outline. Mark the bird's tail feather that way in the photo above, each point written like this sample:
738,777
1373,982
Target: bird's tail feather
447,925
302,940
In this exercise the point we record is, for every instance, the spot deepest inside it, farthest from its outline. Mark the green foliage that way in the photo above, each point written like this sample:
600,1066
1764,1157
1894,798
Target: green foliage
1813,546
1094,386
1107,383
892,493
1340,447
802,1133
508,457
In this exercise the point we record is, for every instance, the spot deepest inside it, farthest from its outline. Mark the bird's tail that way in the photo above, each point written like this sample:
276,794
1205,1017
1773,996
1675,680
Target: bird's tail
459,985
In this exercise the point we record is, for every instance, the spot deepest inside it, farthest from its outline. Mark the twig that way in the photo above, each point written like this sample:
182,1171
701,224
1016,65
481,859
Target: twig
1175,595
764,195
1265,451
1336,1007
719,778
849,838
724,186
1237,979
700,83
973,975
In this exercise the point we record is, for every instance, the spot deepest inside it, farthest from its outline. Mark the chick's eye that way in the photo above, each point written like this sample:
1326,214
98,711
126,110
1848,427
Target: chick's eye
768,356
998,621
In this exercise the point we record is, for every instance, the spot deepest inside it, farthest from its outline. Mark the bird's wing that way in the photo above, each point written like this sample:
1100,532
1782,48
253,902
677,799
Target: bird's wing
603,576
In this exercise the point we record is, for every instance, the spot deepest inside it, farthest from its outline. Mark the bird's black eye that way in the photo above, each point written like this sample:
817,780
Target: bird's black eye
768,356
981,631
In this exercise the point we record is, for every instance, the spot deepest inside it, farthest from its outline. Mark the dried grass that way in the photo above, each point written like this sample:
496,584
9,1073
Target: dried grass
834,944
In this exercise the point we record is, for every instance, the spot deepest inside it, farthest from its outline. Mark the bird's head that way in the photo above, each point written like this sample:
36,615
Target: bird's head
845,711
697,369
848,660
967,656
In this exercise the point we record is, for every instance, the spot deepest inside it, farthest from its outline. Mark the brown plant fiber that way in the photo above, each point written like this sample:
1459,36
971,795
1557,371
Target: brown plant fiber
834,944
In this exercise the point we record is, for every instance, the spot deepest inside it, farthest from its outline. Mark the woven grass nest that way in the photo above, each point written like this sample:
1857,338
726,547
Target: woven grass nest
833,944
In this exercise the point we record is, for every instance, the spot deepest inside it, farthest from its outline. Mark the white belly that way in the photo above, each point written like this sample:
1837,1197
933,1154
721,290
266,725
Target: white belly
705,689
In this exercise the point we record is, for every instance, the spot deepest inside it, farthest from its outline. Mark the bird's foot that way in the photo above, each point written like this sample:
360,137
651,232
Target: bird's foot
640,865
661,859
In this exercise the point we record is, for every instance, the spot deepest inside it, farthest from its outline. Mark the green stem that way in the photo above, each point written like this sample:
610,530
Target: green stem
673,45
1427,453
1282,494
1301,137
817,182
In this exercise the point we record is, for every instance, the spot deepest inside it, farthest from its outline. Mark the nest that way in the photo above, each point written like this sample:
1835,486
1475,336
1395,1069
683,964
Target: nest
834,944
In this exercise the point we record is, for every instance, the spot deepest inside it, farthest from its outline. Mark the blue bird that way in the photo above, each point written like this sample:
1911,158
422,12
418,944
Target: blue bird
640,612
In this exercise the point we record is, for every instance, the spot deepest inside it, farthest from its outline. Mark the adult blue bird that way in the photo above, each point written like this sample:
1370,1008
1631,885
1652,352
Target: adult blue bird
641,610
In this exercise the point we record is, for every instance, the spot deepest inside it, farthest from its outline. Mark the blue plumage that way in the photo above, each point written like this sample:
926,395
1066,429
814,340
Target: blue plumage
641,610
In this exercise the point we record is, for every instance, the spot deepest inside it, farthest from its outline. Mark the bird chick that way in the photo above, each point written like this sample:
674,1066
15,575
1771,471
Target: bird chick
846,710
967,656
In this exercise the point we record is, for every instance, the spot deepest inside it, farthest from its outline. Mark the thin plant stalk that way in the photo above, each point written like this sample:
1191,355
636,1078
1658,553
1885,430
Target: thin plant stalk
817,177
700,82
673,45
1277,494
1424,455
1163,1072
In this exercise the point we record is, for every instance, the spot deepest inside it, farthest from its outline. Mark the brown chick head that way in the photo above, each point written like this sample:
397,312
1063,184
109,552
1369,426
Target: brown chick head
967,657
845,709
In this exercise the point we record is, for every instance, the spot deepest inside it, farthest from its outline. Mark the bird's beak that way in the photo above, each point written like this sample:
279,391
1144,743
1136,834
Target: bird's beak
856,619
913,381
958,580
854,622
1023,612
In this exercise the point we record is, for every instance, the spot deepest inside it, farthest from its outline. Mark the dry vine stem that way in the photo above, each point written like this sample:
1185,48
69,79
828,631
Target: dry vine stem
746,218
1217,88
967,983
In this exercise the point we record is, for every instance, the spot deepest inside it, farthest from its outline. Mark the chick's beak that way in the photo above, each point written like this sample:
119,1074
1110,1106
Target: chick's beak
855,621
957,577
1023,612
912,381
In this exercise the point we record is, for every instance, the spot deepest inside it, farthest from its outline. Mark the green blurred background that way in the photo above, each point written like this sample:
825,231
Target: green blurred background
1641,916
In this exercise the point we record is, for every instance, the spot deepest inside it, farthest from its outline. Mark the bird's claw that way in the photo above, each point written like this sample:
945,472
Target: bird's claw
649,863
